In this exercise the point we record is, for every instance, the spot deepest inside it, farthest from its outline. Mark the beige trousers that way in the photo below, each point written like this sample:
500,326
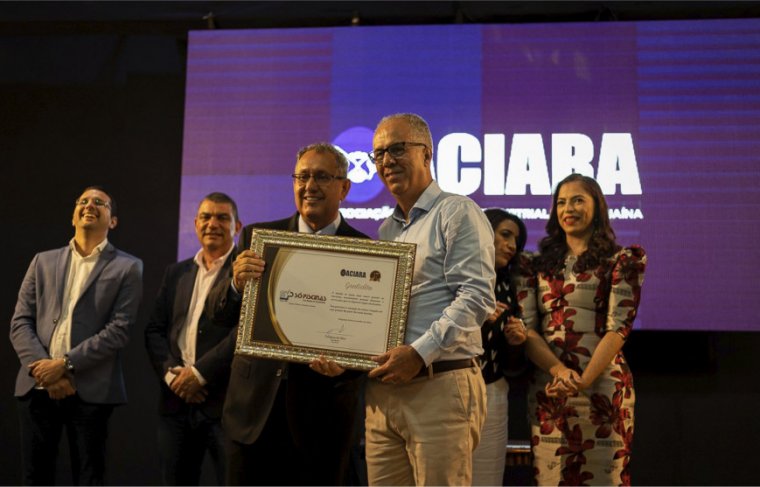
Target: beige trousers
424,432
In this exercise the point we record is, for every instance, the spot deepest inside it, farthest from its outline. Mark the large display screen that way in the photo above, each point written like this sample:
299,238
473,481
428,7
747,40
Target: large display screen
665,115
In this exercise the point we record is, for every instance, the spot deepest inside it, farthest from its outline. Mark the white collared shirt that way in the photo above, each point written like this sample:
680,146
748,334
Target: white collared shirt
77,274
187,339
329,229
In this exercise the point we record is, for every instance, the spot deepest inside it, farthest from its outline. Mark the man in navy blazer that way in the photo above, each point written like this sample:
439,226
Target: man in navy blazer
278,413
72,318
184,346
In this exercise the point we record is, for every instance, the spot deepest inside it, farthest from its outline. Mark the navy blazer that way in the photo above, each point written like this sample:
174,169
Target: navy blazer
320,409
100,320
164,327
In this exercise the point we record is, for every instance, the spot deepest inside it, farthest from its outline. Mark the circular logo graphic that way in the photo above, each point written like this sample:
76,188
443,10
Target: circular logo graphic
355,143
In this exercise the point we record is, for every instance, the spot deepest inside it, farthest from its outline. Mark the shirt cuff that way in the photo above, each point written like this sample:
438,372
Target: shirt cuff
169,377
427,348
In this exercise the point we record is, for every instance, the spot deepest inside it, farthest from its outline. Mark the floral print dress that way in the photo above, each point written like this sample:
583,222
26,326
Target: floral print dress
583,440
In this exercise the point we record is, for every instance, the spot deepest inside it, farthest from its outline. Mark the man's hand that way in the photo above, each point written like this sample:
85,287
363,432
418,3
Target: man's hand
60,389
398,365
187,386
47,371
196,398
326,367
247,266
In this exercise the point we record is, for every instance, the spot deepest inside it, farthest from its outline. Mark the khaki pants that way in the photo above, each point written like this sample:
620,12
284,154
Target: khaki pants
424,432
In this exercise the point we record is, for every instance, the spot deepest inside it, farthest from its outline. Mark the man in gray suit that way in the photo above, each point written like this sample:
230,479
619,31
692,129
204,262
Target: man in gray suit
72,318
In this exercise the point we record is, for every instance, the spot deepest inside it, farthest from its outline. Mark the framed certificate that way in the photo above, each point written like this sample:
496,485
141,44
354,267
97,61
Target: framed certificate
343,298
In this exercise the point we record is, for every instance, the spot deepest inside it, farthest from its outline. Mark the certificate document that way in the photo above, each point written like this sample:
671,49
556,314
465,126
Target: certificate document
343,298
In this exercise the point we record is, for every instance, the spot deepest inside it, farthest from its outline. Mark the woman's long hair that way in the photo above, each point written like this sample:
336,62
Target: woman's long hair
602,245
495,217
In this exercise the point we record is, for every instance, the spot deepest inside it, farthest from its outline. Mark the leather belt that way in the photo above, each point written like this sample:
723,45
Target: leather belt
446,366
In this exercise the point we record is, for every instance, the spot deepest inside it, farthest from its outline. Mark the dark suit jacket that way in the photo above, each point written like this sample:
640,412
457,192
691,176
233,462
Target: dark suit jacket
100,323
163,331
320,409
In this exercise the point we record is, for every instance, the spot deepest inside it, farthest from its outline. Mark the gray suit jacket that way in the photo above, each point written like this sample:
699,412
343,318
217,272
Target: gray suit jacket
100,321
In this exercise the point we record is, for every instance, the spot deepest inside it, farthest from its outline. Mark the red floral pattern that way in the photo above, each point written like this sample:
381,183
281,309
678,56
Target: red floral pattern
586,439
553,413
576,445
572,475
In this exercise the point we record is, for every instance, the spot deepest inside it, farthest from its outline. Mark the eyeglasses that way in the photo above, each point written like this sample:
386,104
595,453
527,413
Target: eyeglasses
395,150
321,179
95,201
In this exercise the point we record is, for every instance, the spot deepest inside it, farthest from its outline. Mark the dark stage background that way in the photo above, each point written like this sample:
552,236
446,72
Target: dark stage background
93,93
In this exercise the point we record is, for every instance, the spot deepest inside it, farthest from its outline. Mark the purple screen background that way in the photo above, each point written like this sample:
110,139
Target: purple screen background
687,92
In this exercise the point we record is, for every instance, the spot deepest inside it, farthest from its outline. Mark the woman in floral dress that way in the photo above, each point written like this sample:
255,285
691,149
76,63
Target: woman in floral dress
579,301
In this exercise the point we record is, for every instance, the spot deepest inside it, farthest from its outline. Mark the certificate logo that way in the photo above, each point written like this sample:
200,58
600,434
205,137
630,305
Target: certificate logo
374,276
288,295
351,273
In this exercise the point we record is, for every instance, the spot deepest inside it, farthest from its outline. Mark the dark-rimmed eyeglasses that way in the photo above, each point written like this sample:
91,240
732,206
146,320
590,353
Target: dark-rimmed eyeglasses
95,201
395,150
321,179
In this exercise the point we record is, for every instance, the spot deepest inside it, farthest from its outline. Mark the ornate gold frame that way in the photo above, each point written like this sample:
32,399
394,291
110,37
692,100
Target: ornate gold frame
256,296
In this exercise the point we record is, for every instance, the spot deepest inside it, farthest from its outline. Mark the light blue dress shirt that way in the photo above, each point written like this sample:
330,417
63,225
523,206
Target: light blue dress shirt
454,277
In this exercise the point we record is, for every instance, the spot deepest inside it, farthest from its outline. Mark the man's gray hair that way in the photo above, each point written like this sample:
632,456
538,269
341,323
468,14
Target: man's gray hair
324,147
420,127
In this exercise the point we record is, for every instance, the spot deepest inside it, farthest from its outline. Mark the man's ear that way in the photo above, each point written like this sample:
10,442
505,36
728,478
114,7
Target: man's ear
113,223
346,188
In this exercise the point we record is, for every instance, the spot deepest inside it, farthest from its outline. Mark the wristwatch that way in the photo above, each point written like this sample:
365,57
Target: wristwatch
67,363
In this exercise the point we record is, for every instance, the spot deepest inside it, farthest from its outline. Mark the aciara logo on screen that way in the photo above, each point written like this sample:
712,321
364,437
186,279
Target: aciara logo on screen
466,166
354,143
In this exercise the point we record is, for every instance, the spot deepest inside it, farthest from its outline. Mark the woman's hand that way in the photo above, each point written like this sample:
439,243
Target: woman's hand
566,383
515,331
500,308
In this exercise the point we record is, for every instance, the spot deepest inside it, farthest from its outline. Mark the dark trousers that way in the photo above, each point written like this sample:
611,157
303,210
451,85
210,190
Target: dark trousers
183,440
272,459
277,457
42,421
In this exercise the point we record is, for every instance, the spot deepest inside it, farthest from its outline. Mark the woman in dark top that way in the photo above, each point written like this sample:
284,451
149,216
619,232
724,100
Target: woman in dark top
503,334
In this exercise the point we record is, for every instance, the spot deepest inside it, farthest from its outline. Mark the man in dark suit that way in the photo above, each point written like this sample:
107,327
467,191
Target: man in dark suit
278,413
72,318
184,346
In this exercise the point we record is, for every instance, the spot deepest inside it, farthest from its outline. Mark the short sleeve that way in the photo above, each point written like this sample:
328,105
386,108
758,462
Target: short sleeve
625,290
525,283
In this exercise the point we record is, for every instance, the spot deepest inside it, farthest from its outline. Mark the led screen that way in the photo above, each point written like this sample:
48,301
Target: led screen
665,115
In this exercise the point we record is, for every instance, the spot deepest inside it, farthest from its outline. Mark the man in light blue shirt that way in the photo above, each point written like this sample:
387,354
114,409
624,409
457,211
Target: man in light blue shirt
426,408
